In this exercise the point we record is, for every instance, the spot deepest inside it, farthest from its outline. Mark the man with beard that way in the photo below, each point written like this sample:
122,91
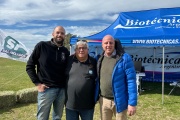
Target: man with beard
50,58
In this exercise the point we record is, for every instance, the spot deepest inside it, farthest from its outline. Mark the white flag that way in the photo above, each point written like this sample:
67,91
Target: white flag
13,49
2,36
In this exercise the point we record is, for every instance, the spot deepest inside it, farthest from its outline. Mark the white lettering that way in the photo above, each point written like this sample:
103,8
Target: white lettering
156,20
156,41
129,22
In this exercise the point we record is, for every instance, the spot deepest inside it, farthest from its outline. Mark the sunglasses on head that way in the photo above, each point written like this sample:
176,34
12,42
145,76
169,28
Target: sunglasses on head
82,40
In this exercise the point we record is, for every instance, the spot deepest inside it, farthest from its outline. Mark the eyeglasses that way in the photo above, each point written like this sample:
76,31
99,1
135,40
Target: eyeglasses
82,40
83,48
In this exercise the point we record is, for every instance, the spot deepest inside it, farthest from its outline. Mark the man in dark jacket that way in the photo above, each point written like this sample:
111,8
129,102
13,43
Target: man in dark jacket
118,91
46,67
81,72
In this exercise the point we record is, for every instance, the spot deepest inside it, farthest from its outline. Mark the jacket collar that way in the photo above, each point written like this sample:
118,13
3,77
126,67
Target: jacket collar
52,42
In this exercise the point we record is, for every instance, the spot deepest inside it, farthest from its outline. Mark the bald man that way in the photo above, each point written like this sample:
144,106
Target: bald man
46,67
117,78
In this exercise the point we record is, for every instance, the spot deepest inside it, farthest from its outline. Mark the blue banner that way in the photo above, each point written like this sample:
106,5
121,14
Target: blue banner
158,27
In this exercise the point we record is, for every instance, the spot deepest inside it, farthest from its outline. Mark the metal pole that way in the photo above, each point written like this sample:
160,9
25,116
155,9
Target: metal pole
154,50
163,77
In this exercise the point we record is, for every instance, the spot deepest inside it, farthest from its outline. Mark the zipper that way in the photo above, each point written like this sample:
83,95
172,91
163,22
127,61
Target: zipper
57,53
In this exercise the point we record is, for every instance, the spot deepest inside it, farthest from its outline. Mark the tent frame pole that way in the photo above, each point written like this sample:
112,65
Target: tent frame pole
163,75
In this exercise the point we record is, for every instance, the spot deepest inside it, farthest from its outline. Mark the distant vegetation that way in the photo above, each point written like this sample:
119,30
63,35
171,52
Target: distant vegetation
67,40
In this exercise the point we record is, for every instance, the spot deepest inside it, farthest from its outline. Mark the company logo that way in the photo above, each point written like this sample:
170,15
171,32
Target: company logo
126,27
13,48
167,21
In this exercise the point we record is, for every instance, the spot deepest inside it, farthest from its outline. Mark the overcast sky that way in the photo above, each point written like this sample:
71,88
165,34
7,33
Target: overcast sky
31,21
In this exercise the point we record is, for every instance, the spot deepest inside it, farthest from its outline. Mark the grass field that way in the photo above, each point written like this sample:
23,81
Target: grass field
13,75
150,107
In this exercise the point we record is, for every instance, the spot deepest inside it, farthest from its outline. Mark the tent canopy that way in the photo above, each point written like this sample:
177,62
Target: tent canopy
149,28
158,27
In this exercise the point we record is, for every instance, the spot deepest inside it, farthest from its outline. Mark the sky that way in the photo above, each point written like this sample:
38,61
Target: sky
31,21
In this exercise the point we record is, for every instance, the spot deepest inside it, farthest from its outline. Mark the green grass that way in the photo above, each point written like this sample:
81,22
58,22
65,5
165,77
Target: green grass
13,75
150,107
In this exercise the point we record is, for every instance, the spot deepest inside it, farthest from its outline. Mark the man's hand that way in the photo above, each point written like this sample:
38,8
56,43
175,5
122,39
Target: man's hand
131,110
41,87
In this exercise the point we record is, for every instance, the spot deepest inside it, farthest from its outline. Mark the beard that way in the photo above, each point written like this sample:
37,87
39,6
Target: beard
59,42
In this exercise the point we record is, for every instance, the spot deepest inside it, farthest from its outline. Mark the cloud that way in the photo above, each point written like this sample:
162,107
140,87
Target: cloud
23,10
29,37
31,21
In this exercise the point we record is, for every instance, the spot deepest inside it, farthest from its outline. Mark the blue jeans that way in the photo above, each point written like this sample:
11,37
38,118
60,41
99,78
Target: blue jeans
51,96
86,114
